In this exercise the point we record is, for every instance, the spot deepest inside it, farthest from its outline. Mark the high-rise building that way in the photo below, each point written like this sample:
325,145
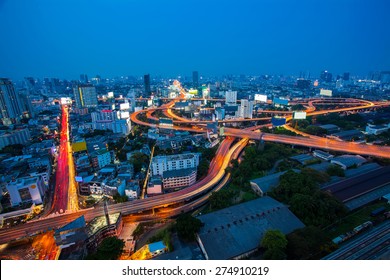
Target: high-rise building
346,76
84,78
160,164
85,96
303,84
246,109
231,97
148,91
10,104
195,79
385,77
326,77
108,119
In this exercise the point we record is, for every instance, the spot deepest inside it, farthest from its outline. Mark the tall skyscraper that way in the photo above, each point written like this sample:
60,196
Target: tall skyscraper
195,79
246,109
148,91
10,104
84,78
85,96
326,76
231,97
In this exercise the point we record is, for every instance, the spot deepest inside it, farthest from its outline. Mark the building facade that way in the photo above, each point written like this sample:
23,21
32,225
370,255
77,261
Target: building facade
109,119
246,109
20,136
160,164
85,96
231,97
178,179
25,190
10,104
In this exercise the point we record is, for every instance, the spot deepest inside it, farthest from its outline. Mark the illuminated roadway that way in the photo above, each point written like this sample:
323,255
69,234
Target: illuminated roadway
216,173
65,193
213,178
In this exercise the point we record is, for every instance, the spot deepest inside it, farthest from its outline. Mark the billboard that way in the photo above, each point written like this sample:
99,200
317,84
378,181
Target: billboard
326,92
278,121
299,115
79,179
66,101
261,97
193,91
79,146
125,115
280,101
124,106
110,94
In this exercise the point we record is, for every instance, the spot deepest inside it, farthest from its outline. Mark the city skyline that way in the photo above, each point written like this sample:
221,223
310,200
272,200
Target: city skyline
64,39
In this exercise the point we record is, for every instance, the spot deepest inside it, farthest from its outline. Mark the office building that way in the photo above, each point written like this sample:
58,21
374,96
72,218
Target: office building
100,158
85,96
303,84
26,190
109,119
231,97
84,78
178,179
148,91
246,109
11,137
10,104
326,77
195,79
160,164
385,77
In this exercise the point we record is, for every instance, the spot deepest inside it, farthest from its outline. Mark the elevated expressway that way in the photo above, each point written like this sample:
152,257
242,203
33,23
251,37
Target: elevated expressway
313,142
214,178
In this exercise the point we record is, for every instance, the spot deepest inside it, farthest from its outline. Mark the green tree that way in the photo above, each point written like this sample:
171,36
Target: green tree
15,149
120,198
275,243
335,170
308,243
221,199
315,130
187,226
110,249
138,160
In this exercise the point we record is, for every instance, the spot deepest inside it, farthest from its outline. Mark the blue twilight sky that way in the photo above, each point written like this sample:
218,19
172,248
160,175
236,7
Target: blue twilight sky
64,38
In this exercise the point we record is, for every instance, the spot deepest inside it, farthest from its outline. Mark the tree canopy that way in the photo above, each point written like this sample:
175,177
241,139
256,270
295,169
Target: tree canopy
110,249
187,226
274,242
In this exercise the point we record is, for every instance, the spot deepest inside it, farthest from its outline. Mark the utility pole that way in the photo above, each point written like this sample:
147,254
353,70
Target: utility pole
147,174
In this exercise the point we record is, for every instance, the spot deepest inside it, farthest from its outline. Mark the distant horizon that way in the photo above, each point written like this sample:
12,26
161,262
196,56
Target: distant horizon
45,38
153,76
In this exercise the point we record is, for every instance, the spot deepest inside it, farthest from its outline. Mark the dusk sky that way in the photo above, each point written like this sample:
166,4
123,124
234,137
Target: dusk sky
64,38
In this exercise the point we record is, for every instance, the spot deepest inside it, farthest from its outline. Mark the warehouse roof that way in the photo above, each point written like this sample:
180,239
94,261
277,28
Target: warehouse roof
234,231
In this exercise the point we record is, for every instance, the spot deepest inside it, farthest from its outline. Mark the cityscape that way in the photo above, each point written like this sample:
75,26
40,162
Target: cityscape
194,166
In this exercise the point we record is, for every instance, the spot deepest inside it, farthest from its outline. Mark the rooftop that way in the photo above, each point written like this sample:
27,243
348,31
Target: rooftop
233,231
267,182
303,158
179,172
174,157
349,160
100,222
329,126
75,224
156,246
347,133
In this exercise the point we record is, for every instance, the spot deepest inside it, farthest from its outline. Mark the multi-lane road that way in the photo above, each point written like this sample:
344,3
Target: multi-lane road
64,176
216,173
